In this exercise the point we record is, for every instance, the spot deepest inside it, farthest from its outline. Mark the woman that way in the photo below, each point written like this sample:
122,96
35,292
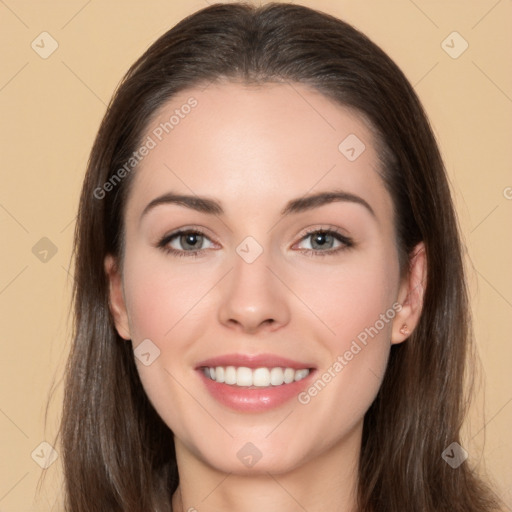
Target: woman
270,305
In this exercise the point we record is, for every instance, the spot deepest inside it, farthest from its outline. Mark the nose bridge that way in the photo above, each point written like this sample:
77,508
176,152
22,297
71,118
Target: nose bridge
253,296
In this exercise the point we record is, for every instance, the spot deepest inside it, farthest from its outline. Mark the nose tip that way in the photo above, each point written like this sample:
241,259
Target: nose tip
252,298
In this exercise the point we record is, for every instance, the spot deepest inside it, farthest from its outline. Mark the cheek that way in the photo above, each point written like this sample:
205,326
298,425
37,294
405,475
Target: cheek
351,299
159,296
354,308
163,304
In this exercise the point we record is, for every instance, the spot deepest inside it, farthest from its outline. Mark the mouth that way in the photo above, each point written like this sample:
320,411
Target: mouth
254,383
263,377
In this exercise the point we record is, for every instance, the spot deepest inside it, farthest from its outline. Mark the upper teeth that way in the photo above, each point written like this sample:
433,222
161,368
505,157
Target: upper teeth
263,377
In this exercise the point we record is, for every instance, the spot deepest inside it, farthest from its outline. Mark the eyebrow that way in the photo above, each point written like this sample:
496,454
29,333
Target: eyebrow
301,204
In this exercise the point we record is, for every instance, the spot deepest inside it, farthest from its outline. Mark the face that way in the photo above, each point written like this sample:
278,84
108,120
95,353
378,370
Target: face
282,256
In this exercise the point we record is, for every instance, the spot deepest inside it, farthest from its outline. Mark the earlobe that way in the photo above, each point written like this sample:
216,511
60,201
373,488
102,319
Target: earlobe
116,298
410,296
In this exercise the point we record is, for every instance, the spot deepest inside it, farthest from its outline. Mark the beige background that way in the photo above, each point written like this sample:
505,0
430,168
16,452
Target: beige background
51,109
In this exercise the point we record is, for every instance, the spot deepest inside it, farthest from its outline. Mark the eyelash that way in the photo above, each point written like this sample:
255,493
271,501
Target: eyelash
347,243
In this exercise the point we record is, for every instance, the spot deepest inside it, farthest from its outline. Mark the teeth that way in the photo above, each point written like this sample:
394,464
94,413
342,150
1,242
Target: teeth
244,376
289,375
300,374
230,375
219,374
259,377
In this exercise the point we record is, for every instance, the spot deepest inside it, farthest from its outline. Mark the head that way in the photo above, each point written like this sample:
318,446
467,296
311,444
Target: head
250,107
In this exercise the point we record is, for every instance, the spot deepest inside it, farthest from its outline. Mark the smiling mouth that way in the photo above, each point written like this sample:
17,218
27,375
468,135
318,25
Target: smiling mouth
257,378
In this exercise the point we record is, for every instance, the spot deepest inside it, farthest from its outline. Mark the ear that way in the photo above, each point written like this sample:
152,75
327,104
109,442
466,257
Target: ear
410,296
116,297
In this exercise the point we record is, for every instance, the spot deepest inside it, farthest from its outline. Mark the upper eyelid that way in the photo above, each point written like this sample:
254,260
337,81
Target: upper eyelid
326,228
188,229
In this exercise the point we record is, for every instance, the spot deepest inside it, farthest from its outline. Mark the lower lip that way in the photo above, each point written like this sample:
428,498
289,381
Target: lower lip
254,399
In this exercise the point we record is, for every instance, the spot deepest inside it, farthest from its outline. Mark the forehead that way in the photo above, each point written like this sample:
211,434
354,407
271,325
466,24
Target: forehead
247,144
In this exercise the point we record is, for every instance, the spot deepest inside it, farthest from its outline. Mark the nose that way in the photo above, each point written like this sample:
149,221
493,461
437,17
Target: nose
253,298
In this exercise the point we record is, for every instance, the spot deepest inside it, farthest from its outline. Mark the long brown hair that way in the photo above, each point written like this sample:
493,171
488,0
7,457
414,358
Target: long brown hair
118,454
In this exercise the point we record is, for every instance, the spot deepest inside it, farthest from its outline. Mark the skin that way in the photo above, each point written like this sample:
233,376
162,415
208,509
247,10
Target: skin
253,149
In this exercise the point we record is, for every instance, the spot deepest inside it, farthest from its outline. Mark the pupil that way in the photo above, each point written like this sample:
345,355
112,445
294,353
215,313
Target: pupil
190,239
320,239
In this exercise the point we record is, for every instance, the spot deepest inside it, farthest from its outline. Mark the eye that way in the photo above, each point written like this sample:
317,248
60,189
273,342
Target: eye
322,242
185,242
190,242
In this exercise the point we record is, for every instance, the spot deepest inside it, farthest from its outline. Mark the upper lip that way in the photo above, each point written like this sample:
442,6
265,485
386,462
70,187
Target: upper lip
253,361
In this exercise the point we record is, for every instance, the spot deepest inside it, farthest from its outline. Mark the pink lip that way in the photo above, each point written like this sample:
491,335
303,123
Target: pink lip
252,399
253,361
